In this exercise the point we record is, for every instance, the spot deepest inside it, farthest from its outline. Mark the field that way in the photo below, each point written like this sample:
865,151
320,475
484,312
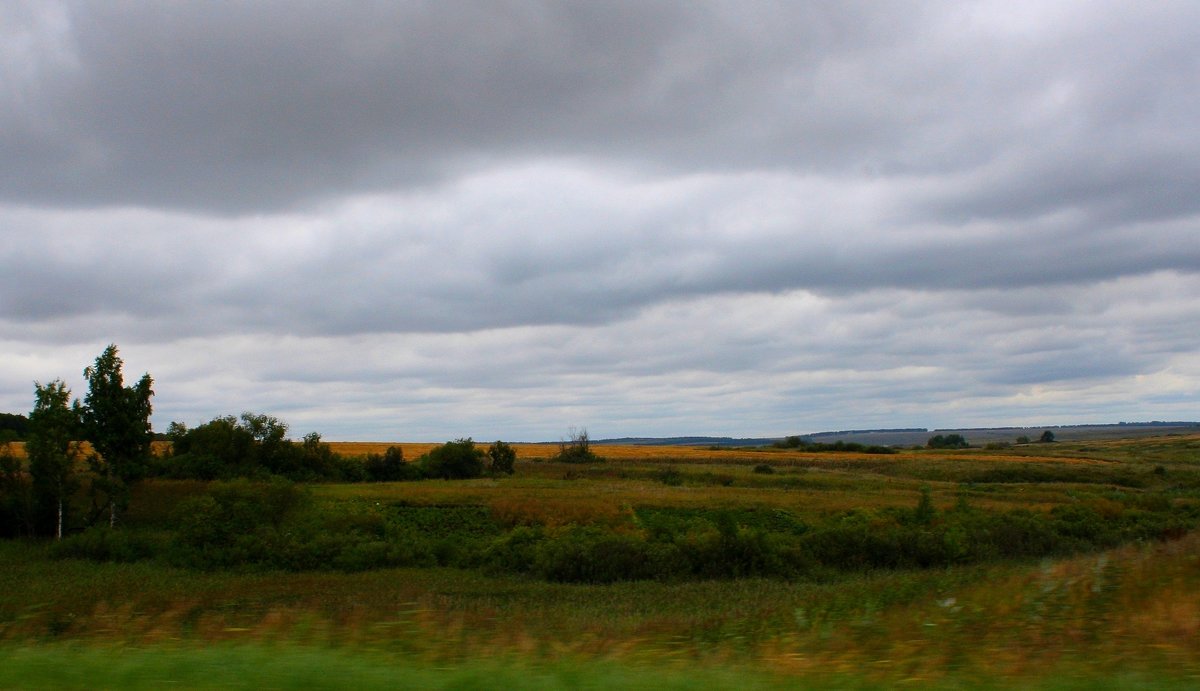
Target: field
1107,595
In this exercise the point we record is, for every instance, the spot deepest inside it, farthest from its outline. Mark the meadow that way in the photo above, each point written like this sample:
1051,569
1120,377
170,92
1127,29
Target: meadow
1066,565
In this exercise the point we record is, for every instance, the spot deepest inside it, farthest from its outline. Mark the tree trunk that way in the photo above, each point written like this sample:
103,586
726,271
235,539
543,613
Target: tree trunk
58,530
112,514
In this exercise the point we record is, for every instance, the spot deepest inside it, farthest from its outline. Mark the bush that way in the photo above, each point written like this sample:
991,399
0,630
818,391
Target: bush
764,469
102,543
253,446
237,522
454,460
389,467
948,441
670,477
587,555
576,449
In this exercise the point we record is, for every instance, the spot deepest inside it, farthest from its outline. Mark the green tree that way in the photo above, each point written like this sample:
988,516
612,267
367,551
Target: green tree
116,420
501,458
1046,438
52,449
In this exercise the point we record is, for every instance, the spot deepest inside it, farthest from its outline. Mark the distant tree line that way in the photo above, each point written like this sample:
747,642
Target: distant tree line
256,446
805,444
13,427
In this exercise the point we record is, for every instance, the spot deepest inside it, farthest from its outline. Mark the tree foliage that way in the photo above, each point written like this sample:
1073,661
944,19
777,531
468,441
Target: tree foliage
948,441
454,460
52,449
16,501
252,446
116,421
18,425
501,458
389,466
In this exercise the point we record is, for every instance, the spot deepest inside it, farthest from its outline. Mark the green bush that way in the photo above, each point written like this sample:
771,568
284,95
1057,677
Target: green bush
390,467
455,460
588,555
102,543
947,441
577,448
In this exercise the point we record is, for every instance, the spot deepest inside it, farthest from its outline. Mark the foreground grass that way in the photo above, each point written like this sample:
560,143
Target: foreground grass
1119,619
253,666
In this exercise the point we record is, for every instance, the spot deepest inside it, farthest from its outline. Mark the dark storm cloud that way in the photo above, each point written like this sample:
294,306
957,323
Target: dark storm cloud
266,105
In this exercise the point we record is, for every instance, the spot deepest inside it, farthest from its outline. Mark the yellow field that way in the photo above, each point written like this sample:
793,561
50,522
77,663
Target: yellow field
703,454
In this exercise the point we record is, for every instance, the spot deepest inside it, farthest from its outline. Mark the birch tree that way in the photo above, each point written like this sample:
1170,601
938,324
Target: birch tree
52,449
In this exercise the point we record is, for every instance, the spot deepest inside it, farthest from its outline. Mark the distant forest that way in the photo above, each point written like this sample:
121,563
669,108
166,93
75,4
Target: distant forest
13,426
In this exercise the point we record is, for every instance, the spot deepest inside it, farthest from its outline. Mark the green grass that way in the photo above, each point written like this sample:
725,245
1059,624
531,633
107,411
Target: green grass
1126,617
290,667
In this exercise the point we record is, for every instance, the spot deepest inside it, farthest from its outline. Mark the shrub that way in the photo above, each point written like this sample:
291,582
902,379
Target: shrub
102,543
389,466
454,460
764,469
947,441
237,522
576,449
670,477
586,555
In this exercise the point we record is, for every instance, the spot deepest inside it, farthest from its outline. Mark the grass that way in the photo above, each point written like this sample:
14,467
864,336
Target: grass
1128,614
1127,617
258,666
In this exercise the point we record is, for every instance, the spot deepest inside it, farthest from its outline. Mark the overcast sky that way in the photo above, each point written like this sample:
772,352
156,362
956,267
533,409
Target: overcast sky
426,220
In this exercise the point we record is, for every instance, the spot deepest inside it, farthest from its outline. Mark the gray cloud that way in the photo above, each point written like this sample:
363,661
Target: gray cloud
422,220
269,105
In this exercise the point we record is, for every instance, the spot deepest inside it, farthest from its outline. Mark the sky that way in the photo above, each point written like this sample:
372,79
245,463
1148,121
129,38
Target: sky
506,219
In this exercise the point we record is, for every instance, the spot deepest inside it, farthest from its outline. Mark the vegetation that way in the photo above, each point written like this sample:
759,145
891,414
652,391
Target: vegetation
948,441
253,446
810,446
502,459
52,451
116,421
576,448
918,565
454,460
13,427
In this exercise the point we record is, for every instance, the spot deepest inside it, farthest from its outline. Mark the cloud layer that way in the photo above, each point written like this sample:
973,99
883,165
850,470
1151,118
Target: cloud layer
429,220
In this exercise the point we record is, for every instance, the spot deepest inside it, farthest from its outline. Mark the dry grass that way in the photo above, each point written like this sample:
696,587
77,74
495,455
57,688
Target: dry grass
1134,608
